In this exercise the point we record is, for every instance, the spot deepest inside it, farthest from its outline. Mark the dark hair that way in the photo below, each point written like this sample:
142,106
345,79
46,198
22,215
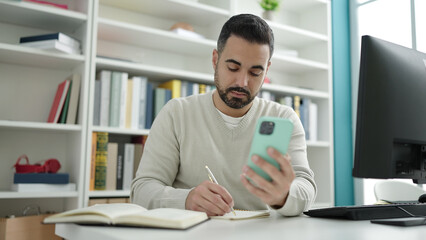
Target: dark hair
250,27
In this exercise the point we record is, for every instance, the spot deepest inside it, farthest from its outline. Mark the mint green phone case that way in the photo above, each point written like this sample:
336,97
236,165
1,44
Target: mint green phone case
275,132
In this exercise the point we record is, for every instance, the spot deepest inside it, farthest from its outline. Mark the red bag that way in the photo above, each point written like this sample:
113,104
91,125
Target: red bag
50,166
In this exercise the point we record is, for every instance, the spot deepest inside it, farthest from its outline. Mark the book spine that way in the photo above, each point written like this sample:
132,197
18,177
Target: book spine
114,107
111,175
56,36
75,94
313,121
105,78
142,103
58,102
123,98
129,155
120,166
101,160
64,112
129,103
149,105
97,104
51,178
93,162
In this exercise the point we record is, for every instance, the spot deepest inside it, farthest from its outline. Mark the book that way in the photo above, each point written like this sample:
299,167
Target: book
101,160
105,77
129,158
58,101
149,105
54,45
174,86
52,178
64,112
242,215
111,169
128,214
43,187
97,104
313,122
141,118
93,162
129,103
59,36
117,98
73,101
123,99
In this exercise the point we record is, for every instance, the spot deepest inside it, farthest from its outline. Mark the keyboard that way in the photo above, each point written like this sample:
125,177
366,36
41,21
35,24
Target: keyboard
370,212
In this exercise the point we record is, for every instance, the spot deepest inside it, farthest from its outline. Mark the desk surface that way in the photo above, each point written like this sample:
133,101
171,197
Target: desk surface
274,227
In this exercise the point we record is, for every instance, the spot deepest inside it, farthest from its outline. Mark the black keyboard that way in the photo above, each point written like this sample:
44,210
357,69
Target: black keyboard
369,212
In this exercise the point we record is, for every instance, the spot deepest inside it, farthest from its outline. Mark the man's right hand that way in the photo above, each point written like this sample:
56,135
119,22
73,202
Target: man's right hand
210,198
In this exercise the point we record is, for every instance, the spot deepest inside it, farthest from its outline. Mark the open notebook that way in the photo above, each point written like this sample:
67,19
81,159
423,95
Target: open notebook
243,214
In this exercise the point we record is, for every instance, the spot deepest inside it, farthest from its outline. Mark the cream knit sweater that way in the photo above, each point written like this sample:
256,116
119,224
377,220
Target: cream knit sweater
189,133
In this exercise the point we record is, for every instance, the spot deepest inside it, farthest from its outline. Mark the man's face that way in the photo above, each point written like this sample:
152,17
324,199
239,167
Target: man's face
240,70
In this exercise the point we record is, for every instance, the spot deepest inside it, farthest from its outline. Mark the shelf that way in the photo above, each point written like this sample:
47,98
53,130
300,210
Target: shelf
15,54
108,193
141,36
293,37
152,72
20,195
4,124
124,131
296,65
40,16
295,91
179,10
300,5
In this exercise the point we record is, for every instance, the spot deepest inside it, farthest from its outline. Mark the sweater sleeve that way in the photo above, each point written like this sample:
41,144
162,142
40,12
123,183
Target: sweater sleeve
303,189
152,186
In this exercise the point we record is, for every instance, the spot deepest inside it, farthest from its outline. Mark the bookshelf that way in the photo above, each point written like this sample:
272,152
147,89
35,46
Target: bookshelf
133,36
27,86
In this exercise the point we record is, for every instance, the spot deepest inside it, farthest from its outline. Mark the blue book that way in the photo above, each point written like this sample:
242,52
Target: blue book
61,37
190,89
52,178
149,105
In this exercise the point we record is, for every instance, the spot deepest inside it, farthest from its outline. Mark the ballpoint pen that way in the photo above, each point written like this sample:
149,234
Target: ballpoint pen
213,179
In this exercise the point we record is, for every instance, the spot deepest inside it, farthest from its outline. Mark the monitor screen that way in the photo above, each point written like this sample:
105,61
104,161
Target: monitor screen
391,115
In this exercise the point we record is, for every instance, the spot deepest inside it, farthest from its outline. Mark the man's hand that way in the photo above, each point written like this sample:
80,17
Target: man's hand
273,193
210,198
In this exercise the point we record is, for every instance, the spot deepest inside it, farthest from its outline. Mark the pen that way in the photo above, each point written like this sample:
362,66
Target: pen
213,179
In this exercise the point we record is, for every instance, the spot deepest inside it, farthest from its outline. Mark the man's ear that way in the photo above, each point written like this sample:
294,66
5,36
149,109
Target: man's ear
215,58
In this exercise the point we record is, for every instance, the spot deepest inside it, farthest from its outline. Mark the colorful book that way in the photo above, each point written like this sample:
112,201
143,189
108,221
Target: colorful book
64,112
101,160
111,175
93,162
73,101
58,102
174,86
59,36
51,178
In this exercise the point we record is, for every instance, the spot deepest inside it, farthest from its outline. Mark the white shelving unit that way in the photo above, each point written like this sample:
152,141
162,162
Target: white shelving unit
27,87
133,36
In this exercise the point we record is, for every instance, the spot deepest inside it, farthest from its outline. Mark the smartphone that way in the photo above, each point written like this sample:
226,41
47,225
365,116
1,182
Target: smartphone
270,132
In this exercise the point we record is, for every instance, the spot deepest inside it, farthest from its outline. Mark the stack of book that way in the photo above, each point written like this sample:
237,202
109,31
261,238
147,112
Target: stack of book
42,182
65,103
53,41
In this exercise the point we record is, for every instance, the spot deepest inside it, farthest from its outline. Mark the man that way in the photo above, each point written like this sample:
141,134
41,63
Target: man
216,129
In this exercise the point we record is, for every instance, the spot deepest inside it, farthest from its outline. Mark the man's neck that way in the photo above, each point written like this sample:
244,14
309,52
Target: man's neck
232,112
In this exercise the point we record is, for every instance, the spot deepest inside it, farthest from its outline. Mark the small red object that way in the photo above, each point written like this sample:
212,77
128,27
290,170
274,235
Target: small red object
50,166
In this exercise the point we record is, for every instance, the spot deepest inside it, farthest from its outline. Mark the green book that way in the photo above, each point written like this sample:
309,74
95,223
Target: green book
101,160
64,112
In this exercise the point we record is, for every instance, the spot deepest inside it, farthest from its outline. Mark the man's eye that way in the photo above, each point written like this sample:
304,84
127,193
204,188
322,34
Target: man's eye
255,74
233,69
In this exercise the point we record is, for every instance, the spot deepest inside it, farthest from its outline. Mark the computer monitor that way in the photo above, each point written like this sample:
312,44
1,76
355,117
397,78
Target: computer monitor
391,118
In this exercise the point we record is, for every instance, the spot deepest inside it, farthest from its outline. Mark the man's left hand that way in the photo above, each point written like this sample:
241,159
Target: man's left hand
273,193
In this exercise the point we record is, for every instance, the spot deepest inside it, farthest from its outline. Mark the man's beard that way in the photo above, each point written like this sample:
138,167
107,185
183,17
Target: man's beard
232,102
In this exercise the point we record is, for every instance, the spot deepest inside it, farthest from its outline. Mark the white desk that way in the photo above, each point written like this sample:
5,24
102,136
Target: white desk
274,227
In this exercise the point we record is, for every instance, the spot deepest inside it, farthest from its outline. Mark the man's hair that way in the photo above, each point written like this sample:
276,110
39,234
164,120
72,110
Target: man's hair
249,27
